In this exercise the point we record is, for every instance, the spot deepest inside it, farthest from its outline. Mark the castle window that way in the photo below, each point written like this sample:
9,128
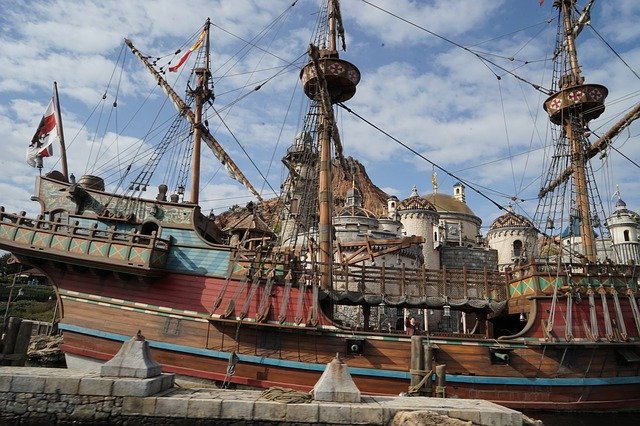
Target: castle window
517,248
626,235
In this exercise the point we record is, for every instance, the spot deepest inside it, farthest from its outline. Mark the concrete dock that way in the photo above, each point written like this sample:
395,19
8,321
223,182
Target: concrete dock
36,395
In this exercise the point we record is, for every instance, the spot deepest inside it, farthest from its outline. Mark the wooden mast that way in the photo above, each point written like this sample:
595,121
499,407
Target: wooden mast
572,107
201,94
63,148
329,80
573,128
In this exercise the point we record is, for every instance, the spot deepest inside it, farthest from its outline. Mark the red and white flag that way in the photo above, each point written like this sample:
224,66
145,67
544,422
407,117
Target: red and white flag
41,143
182,60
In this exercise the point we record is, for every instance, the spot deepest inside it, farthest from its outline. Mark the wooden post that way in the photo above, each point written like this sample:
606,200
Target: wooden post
429,352
417,360
366,314
441,380
11,329
23,338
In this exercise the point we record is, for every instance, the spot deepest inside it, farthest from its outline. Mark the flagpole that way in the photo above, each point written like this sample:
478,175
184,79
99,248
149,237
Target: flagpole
63,149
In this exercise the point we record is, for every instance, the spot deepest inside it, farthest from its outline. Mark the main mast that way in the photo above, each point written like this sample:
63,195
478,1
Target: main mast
572,107
328,80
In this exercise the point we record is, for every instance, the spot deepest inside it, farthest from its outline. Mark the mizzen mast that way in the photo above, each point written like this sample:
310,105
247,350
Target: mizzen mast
572,106
328,80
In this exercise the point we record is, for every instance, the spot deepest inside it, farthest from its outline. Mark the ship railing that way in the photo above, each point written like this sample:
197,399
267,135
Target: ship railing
421,282
567,274
39,233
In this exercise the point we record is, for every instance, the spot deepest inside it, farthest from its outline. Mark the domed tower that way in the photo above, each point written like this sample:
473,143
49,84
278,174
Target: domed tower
624,228
353,220
459,223
419,217
513,236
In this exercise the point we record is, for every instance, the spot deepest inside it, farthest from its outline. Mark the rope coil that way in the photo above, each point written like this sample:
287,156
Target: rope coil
287,396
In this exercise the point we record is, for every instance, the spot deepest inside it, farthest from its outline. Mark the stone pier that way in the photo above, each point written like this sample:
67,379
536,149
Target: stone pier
30,395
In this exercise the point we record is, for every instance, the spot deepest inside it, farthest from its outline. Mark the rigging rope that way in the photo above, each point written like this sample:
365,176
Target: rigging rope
593,317
634,307
622,328
568,326
608,328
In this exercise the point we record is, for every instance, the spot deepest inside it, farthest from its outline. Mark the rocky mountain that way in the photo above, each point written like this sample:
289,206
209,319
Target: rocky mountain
374,199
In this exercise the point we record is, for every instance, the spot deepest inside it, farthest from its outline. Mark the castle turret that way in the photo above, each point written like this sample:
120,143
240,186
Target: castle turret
419,217
624,228
513,236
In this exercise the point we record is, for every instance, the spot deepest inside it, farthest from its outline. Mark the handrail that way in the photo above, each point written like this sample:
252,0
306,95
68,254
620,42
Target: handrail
56,227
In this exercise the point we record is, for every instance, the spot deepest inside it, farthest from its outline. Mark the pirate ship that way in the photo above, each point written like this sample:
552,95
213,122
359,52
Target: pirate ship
257,305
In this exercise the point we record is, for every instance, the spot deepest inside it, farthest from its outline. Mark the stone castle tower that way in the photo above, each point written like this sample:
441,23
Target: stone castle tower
513,236
419,217
624,228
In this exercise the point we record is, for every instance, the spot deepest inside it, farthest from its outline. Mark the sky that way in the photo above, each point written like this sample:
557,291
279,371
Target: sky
418,84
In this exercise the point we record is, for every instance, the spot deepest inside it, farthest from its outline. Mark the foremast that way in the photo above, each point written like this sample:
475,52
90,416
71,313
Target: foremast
202,93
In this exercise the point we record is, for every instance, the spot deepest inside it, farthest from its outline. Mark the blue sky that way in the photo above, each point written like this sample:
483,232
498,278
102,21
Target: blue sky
437,98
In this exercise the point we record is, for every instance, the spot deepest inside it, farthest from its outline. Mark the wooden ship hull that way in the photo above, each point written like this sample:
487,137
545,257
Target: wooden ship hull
197,305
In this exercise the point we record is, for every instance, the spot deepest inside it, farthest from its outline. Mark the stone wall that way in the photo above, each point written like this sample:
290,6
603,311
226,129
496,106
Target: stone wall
56,408
469,257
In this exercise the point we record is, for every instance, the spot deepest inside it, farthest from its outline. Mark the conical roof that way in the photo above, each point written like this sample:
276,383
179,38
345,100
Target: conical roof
511,220
415,202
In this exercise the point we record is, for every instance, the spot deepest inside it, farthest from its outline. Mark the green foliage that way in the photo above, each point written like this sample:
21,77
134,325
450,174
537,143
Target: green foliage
36,302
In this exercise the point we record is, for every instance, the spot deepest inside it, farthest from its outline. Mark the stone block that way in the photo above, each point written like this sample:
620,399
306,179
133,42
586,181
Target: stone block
334,414
237,409
336,384
168,381
5,383
171,407
25,384
57,407
95,386
132,360
302,413
492,418
63,385
204,408
137,387
269,411
18,408
139,406
367,414
466,415
84,412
